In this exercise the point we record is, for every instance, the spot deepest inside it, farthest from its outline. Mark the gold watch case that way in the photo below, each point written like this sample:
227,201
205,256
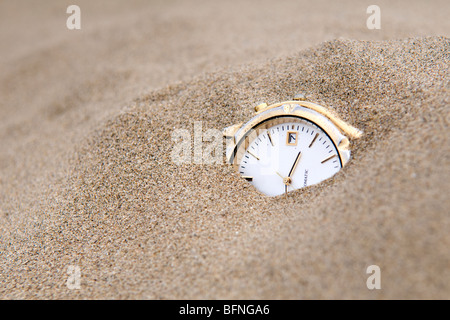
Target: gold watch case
239,136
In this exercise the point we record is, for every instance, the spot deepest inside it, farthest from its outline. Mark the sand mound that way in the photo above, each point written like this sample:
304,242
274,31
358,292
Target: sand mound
140,226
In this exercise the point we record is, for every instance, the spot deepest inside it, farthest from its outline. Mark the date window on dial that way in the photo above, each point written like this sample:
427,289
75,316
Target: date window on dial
292,138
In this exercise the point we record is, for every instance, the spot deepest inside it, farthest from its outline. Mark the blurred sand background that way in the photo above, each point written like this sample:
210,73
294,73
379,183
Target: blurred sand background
86,177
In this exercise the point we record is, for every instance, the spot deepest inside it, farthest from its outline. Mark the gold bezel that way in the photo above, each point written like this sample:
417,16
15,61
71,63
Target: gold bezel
312,112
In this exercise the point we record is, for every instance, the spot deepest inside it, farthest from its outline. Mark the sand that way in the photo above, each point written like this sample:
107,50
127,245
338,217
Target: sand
87,179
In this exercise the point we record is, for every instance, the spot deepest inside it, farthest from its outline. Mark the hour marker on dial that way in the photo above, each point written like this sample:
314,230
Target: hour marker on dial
257,158
329,158
313,140
270,137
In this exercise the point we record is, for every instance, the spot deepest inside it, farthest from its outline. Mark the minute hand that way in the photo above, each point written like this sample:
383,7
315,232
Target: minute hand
295,164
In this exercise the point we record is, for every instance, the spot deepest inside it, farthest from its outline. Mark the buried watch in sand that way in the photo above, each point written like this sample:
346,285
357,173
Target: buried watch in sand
289,145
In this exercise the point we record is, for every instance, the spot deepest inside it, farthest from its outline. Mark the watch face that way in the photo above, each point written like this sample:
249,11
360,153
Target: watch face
287,153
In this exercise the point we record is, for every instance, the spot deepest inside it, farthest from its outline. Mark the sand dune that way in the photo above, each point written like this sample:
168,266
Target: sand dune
98,189
140,226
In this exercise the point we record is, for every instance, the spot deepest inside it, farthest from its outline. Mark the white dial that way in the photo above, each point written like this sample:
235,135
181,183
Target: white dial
288,153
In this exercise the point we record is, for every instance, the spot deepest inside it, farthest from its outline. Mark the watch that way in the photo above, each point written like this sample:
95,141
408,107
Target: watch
289,145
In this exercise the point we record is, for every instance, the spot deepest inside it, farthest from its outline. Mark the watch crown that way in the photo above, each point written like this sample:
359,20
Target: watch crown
260,107
299,97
